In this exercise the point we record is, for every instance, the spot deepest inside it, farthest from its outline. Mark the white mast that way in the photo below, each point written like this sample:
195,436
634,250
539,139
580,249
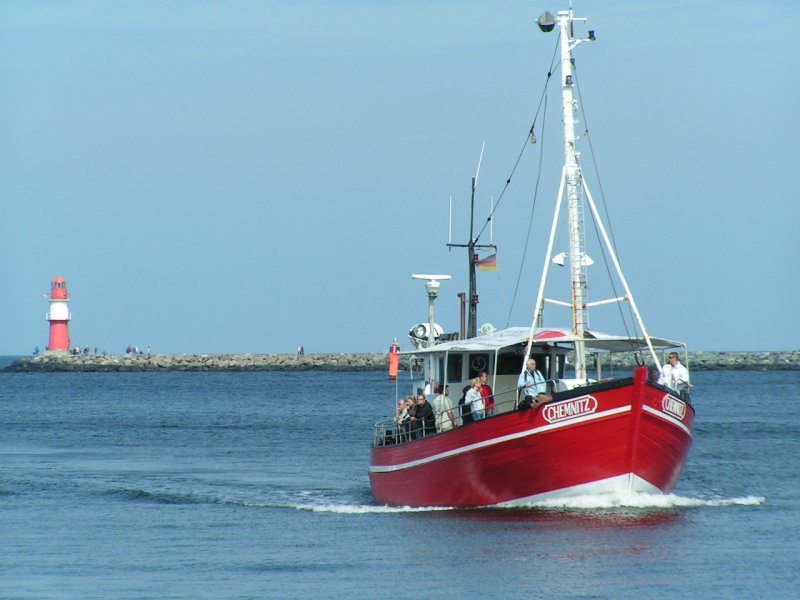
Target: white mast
572,174
573,182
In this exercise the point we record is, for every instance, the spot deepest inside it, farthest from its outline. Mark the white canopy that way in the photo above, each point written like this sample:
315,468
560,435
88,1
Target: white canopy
513,336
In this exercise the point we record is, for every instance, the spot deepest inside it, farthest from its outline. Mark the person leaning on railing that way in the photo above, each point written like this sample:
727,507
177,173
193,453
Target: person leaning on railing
475,400
443,409
465,412
423,421
674,375
404,424
400,417
487,394
533,386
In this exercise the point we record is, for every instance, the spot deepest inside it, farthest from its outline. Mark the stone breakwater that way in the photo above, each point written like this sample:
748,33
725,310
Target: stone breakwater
203,362
730,361
698,361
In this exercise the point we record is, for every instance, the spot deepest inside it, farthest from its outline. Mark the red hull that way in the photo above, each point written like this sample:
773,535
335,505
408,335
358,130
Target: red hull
616,436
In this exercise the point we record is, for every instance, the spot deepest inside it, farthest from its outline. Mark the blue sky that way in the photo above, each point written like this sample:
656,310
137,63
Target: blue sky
250,176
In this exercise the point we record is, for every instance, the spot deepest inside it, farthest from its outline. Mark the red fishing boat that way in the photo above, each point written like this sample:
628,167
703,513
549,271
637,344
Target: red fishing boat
585,433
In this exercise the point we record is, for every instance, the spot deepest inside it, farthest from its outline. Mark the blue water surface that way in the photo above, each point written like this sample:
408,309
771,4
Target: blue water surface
254,485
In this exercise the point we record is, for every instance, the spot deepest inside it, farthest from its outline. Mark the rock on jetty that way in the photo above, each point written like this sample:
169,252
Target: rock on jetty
377,361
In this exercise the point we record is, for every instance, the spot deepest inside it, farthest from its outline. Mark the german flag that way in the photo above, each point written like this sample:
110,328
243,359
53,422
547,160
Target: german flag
488,264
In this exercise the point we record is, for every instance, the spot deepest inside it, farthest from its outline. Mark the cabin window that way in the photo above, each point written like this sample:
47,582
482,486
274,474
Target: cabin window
542,364
549,365
509,363
478,363
561,362
455,367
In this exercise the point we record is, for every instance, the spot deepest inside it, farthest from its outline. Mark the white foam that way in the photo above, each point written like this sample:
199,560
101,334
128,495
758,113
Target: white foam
346,509
360,509
608,501
643,500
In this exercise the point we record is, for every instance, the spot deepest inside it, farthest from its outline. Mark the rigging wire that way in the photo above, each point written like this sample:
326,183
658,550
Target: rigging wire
542,100
542,107
530,220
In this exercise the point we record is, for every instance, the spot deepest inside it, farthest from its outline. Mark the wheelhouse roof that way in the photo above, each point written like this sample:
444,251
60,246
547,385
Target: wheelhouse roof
514,336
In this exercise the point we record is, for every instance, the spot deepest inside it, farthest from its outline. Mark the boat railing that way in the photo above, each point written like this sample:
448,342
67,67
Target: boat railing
503,402
387,432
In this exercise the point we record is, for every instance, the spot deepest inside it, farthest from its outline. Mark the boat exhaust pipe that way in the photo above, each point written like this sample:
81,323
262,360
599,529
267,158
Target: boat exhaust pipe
463,298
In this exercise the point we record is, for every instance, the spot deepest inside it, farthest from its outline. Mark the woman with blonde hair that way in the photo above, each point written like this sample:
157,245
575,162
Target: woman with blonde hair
405,410
475,400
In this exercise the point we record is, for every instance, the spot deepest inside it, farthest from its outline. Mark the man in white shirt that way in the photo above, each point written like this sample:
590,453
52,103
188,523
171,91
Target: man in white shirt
443,409
674,374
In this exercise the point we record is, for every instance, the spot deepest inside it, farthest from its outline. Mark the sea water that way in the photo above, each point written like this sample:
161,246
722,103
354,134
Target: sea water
254,485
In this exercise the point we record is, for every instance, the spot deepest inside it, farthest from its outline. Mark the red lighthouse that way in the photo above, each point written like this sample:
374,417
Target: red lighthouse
58,315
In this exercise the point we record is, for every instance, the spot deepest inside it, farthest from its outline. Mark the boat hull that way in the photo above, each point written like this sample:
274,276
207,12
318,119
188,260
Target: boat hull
624,436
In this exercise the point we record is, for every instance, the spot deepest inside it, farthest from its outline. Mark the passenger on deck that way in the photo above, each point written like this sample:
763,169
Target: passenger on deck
401,414
674,374
423,422
443,409
475,400
463,407
405,426
533,386
487,394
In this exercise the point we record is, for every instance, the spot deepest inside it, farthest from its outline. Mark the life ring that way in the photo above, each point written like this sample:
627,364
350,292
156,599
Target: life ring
478,363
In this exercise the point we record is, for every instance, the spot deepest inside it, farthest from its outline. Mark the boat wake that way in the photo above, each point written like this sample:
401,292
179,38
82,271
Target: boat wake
641,501
603,502
352,502
362,509
160,496
359,502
